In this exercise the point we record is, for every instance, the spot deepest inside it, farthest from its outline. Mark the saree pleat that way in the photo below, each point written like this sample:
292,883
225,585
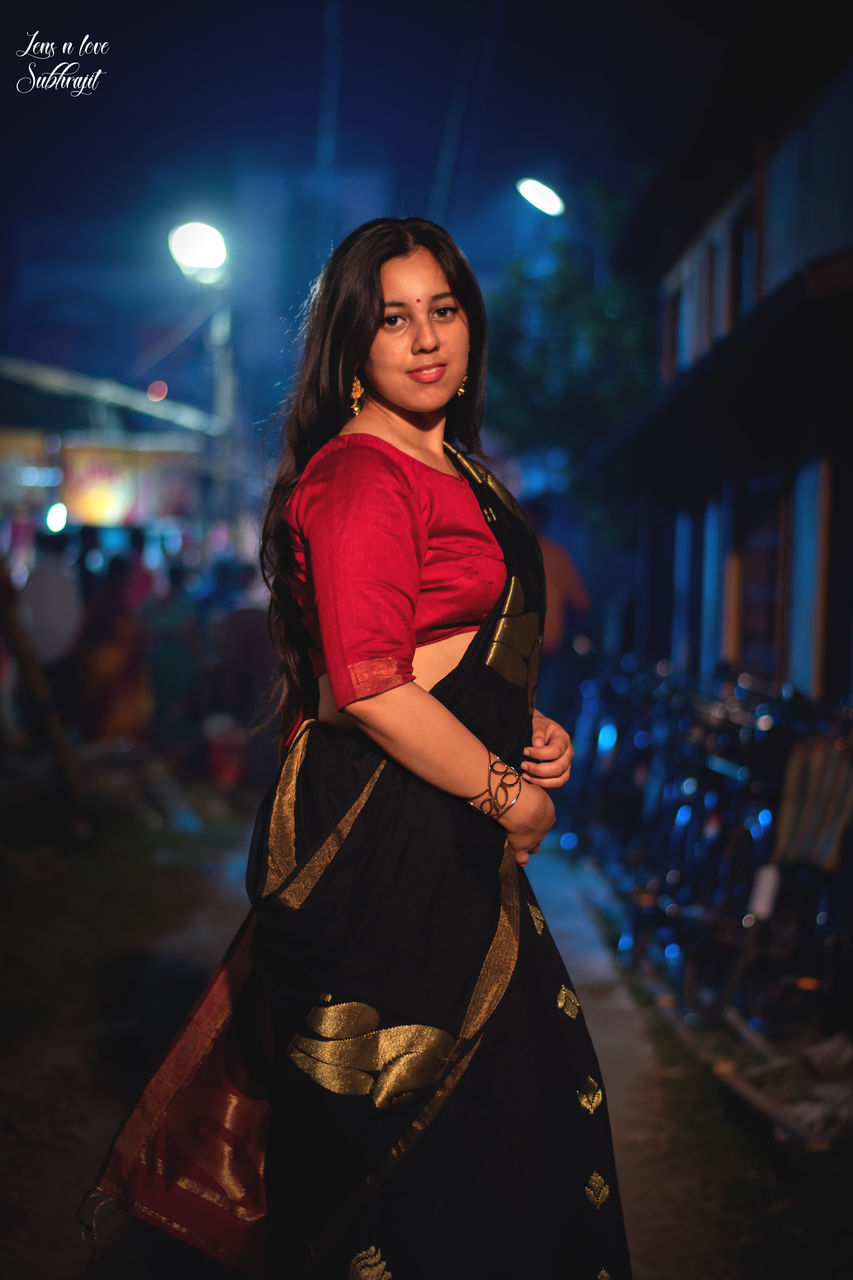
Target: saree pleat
436,1108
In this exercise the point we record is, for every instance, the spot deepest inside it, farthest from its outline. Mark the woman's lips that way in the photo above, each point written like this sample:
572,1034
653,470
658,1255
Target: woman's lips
431,373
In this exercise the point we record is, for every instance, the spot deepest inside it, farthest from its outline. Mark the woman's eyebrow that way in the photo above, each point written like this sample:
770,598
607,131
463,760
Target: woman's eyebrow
448,293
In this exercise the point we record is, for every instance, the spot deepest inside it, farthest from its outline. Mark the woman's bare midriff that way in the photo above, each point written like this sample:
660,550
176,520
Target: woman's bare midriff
431,663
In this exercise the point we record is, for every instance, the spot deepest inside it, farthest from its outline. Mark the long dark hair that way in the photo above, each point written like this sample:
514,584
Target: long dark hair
344,312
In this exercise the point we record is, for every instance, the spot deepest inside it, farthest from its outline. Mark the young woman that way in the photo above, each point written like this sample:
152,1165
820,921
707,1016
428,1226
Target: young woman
435,1105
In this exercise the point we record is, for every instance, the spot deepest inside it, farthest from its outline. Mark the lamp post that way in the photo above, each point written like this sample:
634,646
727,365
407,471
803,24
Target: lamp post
201,253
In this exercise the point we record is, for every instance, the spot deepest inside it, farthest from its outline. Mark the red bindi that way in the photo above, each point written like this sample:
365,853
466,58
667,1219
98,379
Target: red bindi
417,299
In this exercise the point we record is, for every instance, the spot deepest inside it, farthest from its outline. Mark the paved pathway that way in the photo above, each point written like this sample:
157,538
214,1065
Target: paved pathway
671,1234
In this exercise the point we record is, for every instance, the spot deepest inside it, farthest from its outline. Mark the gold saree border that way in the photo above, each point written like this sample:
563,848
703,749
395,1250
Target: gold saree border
516,643
499,964
281,841
302,884
285,881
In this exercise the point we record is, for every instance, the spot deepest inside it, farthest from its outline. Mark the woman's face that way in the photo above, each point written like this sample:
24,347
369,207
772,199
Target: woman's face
420,353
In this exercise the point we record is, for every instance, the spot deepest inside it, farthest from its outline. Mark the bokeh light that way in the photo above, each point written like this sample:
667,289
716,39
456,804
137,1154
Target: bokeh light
540,196
57,517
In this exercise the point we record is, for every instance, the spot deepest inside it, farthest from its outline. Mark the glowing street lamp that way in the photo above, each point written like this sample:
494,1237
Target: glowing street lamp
540,196
199,251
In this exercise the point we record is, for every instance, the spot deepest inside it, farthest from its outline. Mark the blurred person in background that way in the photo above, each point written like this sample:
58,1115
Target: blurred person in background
113,690
568,606
90,562
50,607
174,670
247,673
11,735
140,581
215,601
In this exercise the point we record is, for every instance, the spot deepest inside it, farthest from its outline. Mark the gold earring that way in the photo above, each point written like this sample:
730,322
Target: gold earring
356,396
461,388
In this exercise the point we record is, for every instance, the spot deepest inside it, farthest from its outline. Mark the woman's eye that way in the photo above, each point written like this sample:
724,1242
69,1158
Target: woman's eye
444,313
390,322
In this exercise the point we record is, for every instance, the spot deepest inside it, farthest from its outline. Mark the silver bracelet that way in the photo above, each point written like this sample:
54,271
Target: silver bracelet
501,781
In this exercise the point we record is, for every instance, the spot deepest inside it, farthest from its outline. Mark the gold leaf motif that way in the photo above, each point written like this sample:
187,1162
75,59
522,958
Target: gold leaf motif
590,1096
568,1002
537,917
597,1190
603,1275
369,1265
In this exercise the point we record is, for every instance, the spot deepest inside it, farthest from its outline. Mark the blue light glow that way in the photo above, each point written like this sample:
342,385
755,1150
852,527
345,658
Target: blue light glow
568,840
711,799
765,818
540,196
683,815
626,942
672,951
607,736
641,740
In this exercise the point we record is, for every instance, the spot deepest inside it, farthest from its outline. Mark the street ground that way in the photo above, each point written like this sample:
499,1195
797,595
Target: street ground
110,946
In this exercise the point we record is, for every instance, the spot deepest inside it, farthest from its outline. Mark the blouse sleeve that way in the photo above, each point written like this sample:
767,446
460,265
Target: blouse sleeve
366,541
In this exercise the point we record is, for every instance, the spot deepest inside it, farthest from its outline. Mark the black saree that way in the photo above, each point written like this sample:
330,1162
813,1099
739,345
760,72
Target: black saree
389,1076
436,1104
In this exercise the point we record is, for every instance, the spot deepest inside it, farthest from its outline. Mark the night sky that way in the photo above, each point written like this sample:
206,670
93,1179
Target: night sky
456,100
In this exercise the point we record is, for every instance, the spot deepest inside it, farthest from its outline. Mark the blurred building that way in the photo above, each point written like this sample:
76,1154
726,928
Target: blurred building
743,460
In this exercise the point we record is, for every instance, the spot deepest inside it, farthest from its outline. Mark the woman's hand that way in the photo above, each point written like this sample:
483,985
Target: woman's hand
548,759
528,821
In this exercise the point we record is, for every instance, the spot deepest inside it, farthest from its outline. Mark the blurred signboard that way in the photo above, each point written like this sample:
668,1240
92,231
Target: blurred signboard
116,485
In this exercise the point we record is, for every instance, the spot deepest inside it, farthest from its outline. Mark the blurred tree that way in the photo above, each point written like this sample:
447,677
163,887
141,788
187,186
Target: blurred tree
571,350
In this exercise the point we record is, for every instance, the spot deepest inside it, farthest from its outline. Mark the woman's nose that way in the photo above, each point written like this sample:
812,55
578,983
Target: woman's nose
425,336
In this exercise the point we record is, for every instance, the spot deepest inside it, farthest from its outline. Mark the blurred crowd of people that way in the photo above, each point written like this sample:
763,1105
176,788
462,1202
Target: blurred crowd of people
173,658
142,646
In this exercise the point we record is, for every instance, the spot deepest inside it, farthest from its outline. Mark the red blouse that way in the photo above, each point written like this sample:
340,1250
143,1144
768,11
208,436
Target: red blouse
389,554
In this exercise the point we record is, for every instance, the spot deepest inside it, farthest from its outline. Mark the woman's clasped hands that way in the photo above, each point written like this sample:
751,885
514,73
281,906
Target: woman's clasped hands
547,764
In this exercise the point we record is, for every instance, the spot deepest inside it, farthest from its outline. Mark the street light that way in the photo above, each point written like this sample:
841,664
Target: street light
540,196
201,253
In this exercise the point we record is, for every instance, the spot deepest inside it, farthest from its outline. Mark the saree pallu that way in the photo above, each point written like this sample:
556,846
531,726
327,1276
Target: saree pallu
436,1108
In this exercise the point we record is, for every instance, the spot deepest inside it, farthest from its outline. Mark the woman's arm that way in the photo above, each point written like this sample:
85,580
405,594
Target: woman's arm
418,731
